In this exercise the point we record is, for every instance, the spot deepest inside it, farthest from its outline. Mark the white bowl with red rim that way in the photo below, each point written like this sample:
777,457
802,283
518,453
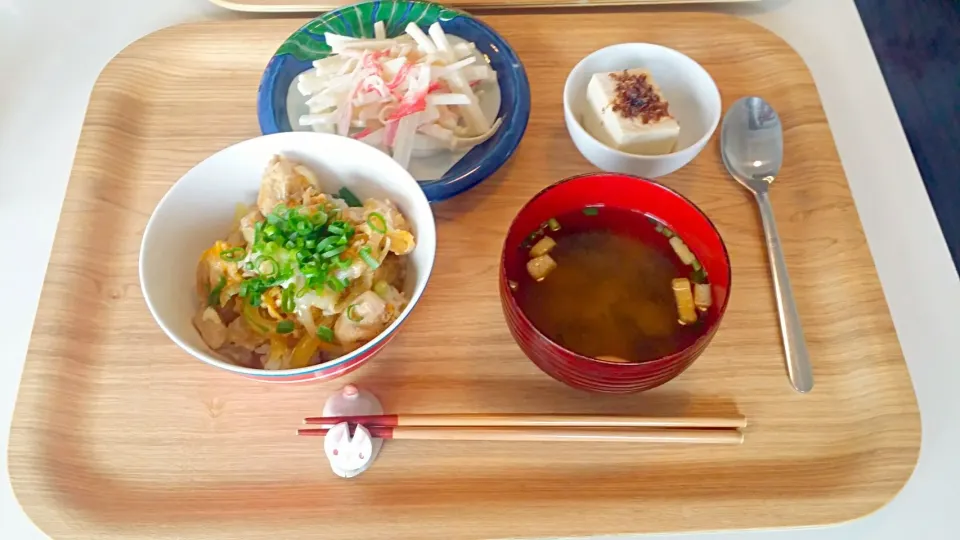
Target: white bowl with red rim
199,209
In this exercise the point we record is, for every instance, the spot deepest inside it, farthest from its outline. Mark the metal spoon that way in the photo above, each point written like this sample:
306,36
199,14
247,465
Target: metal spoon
751,143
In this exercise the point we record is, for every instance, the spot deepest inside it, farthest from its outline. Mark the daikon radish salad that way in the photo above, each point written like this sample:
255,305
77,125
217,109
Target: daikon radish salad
437,90
425,98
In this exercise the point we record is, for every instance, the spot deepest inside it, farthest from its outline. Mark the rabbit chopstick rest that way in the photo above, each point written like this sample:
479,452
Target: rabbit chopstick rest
351,454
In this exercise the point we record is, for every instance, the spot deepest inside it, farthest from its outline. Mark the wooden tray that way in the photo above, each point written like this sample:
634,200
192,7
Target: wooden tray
119,434
313,6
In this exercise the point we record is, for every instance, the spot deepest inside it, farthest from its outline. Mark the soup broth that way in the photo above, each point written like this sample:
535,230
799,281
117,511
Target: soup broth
611,292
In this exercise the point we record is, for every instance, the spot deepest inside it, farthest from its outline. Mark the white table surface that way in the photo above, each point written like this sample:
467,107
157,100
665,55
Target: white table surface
51,52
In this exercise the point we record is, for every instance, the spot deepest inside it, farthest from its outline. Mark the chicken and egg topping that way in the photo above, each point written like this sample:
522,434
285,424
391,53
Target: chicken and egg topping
304,277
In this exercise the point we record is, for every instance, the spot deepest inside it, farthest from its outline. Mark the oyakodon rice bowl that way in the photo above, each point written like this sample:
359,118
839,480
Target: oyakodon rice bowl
288,257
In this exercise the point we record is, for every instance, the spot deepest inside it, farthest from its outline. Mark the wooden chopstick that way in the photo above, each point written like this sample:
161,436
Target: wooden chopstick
649,435
531,420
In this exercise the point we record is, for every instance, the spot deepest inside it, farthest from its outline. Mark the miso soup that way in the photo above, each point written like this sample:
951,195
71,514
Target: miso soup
601,282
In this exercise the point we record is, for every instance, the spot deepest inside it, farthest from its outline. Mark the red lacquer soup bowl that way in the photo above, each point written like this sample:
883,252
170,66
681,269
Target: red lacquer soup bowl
628,193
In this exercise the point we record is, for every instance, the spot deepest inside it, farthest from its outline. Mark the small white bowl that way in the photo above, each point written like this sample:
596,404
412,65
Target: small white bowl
693,96
199,209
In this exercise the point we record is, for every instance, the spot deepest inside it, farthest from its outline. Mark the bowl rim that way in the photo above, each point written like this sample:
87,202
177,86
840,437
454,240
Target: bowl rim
446,186
568,112
208,358
515,306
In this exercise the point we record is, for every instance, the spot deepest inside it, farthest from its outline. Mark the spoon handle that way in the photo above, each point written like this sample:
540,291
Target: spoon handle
799,369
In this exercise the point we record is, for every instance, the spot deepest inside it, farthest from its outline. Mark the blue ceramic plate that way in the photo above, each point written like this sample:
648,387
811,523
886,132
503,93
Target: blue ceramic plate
307,44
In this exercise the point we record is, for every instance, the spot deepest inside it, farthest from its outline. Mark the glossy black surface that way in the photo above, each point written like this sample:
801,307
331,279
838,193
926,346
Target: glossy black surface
917,43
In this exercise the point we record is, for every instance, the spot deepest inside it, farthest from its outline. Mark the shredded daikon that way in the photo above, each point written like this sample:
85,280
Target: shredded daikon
414,91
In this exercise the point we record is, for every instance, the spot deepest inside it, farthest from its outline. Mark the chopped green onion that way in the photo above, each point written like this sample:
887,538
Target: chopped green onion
285,327
368,258
274,267
283,276
325,333
349,198
302,239
251,291
377,222
553,224
233,254
213,298
333,252
695,265
286,300
591,211
303,227
352,313
699,276
325,243
335,284
318,218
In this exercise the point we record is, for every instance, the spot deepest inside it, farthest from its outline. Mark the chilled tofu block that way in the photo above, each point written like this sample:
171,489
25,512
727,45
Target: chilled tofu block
627,111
